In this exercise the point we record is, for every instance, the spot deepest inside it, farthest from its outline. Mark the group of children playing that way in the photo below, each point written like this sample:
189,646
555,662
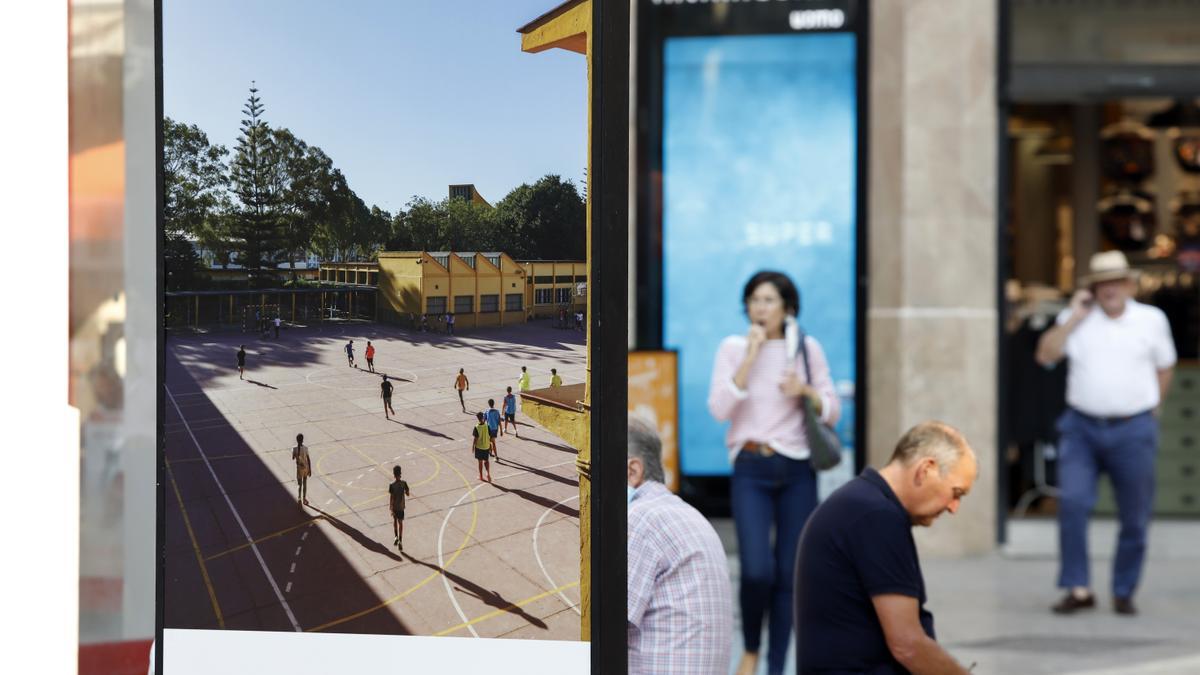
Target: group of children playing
492,424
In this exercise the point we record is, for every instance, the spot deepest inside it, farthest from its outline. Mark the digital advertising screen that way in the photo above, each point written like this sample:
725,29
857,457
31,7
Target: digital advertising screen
753,148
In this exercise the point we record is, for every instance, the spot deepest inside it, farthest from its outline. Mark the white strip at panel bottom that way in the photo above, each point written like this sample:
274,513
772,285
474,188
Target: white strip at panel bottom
196,652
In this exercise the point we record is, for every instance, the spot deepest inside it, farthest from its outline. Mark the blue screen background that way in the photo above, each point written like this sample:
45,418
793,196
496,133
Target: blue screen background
758,173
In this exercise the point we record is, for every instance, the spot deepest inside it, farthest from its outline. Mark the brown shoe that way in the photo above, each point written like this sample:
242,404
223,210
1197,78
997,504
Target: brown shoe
1071,604
1124,606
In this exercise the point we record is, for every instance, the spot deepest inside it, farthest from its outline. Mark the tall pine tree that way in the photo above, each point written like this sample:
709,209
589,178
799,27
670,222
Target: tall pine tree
257,227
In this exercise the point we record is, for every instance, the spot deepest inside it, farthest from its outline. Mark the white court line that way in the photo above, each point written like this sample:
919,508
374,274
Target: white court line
442,562
289,588
538,555
305,535
293,570
254,547
298,550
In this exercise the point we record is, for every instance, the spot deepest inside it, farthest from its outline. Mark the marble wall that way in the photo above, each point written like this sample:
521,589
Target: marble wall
932,309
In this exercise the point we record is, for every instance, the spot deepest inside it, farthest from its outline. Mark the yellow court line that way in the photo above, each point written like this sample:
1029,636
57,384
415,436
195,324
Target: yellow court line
187,523
329,479
505,610
264,538
436,464
432,575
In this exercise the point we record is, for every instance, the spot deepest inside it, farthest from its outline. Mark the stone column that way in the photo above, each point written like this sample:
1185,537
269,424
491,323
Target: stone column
932,314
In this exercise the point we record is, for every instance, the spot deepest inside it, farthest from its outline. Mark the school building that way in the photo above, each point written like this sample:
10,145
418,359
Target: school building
481,289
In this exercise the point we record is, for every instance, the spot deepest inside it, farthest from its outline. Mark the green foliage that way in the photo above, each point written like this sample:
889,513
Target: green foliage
195,179
257,229
278,198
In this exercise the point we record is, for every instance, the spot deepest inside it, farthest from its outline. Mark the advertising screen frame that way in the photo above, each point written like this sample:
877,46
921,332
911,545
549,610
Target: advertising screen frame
660,20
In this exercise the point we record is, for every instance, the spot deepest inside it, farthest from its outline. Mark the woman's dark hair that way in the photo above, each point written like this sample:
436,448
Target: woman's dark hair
781,282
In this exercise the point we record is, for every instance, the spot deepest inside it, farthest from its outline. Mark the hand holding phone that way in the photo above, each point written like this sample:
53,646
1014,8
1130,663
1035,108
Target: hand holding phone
1081,303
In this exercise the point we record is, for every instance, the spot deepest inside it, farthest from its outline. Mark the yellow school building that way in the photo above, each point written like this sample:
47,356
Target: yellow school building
481,288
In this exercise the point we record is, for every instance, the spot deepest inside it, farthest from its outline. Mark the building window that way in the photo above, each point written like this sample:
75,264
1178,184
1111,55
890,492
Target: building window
489,303
464,304
469,259
543,280
512,302
435,305
563,295
494,259
543,296
443,260
580,278
562,279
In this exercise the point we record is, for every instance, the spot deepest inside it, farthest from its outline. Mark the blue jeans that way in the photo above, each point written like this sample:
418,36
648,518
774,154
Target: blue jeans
769,491
1125,451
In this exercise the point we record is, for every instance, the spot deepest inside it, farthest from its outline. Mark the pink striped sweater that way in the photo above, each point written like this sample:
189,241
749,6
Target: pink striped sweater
761,412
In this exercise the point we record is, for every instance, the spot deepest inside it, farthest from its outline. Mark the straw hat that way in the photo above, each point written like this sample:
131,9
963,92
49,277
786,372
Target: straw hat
1107,266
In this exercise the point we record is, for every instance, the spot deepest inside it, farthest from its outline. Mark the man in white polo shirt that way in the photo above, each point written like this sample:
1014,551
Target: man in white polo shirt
1120,357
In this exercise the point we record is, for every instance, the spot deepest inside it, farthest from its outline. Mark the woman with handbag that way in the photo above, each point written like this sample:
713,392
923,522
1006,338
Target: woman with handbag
765,383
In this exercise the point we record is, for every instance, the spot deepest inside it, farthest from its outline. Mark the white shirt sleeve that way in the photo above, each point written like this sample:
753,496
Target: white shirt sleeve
1163,348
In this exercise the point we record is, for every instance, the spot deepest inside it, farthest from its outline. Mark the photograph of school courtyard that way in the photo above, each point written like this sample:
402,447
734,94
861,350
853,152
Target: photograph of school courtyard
377,401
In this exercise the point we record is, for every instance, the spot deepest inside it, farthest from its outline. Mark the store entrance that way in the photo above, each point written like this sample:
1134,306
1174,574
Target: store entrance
1121,174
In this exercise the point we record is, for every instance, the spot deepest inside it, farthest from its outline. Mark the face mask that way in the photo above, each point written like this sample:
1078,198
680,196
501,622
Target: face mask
630,491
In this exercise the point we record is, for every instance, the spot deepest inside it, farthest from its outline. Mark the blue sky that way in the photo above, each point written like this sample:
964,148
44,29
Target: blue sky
406,96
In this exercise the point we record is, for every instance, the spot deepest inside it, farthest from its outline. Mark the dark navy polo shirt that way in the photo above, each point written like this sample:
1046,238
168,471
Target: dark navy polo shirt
857,544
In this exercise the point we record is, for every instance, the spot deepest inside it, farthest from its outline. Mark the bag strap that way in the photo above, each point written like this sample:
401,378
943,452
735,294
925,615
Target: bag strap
804,355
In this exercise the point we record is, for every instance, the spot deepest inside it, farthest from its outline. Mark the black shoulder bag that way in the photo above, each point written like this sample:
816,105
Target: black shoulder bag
825,450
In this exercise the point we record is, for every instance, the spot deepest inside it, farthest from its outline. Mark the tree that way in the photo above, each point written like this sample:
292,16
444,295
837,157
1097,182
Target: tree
546,220
195,196
194,177
306,187
256,231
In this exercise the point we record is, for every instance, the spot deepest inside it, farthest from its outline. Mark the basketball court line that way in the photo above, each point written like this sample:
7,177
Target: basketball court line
521,603
254,547
425,405
537,554
187,523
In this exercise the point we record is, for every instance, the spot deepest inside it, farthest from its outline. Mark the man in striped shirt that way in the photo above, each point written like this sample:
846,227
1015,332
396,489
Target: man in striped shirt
680,609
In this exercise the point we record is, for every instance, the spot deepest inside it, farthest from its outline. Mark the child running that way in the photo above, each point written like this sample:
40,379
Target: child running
510,412
241,356
370,357
350,353
303,469
385,392
493,422
481,444
398,490
461,383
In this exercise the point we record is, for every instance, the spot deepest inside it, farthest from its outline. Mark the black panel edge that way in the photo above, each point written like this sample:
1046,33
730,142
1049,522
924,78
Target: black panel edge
609,144
160,354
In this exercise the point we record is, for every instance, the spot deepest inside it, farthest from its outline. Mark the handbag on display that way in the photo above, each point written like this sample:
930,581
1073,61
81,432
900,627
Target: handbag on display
825,450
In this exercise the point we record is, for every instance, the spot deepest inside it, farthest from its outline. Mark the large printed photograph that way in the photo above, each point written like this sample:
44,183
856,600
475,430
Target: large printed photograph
376,309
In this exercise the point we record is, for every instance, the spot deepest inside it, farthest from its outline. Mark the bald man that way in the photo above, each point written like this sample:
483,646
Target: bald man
860,595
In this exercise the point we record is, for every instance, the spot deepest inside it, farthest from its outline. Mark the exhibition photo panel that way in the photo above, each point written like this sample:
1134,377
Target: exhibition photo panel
378,400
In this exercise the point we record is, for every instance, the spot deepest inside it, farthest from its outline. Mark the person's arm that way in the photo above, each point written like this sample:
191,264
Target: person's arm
899,615
724,394
1052,345
407,492
821,390
1164,383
